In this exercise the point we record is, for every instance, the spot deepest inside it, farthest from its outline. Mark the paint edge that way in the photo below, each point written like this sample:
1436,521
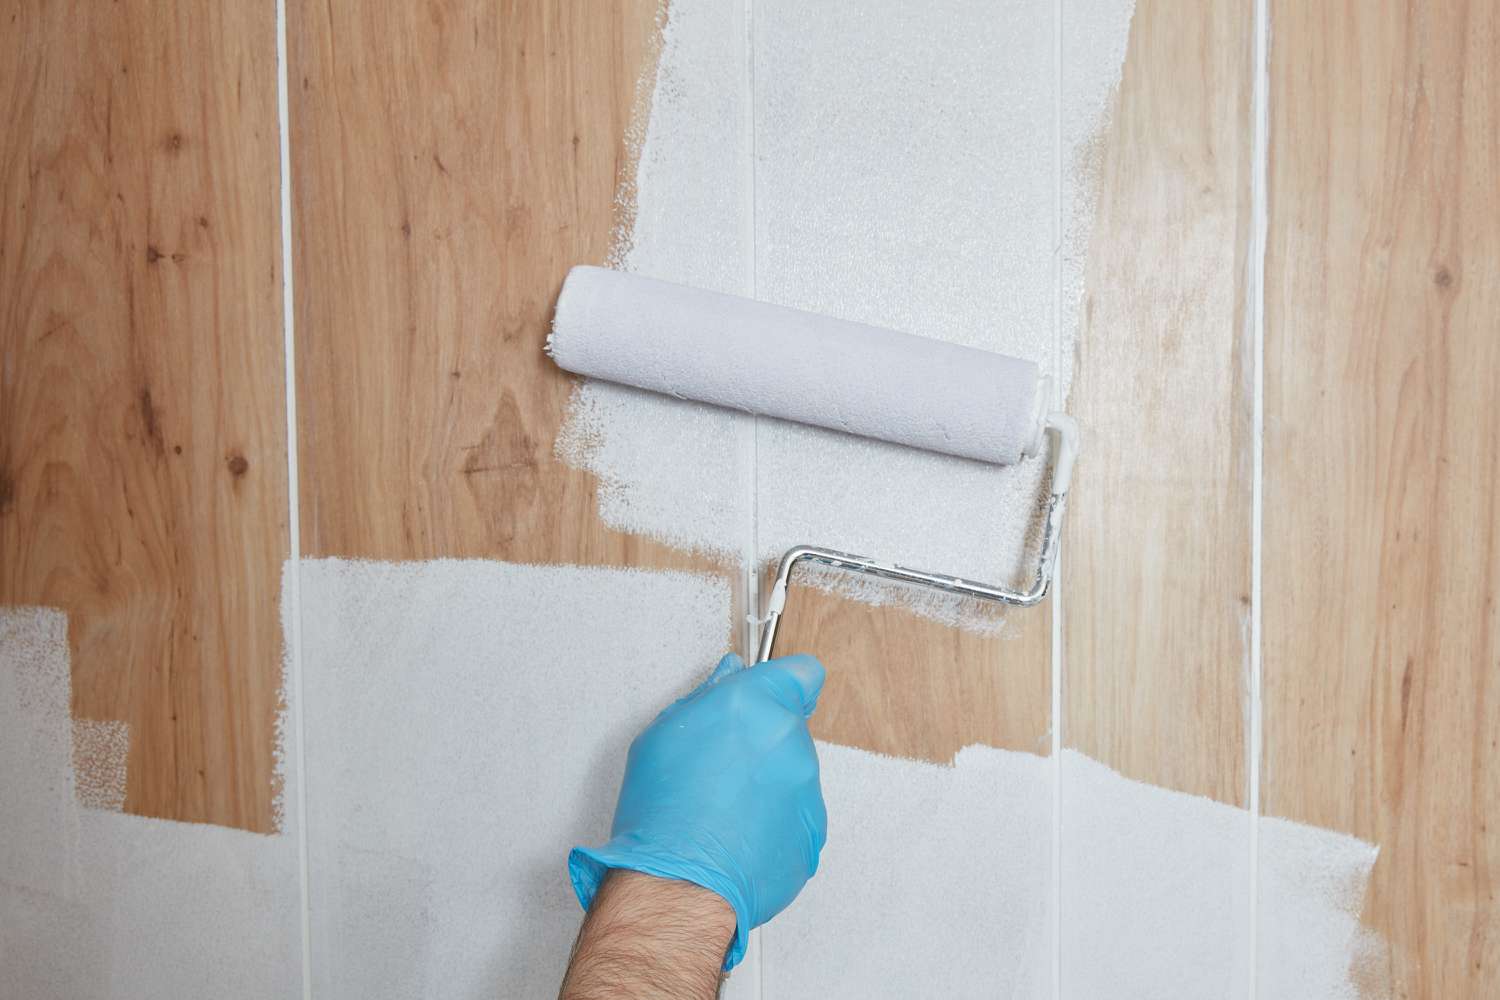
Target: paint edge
626,201
292,621
99,753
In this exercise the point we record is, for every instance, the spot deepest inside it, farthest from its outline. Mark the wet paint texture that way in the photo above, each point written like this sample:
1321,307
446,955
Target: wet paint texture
463,731
96,903
891,164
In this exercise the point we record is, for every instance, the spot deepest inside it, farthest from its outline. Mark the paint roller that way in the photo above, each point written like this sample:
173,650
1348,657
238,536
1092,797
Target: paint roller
779,362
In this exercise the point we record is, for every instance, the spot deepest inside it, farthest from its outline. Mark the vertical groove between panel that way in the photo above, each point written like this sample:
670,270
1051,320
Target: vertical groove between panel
1057,588
1256,317
750,426
293,623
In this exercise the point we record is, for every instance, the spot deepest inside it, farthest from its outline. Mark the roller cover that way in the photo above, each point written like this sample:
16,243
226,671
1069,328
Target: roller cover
780,362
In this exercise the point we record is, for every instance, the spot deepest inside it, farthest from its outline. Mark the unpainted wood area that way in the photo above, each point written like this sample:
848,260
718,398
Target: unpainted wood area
451,162
1156,557
142,437
1382,458
907,686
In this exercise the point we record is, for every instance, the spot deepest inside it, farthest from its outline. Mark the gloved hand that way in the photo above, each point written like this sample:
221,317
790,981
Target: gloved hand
722,791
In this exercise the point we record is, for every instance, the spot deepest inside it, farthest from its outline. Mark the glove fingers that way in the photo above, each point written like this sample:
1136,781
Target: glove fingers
729,664
815,822
794,681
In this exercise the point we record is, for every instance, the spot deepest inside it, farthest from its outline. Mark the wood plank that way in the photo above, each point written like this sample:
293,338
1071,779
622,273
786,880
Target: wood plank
142,457
907,686
1382,451
451,162
1157,553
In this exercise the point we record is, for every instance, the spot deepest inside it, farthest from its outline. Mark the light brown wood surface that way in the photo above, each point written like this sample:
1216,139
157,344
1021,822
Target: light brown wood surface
1382,461
904,685
1156,558
451,162
142,438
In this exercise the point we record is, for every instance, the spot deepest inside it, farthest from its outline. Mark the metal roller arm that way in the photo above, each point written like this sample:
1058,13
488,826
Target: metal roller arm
1064,450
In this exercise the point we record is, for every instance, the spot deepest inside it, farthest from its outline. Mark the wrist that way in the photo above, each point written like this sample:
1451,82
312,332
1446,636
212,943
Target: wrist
649,936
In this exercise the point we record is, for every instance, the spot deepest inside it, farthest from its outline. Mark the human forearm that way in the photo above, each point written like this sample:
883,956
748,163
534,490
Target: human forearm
650,937
720,792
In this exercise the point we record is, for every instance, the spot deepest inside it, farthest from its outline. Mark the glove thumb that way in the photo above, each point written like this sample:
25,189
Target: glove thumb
729,665
794,681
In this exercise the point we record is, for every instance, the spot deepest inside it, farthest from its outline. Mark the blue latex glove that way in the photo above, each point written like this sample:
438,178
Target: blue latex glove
722,791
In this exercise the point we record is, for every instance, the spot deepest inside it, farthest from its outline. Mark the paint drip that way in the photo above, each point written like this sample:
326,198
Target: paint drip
888,163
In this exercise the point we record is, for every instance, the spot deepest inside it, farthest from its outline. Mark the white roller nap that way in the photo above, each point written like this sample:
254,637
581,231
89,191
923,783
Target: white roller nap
795,365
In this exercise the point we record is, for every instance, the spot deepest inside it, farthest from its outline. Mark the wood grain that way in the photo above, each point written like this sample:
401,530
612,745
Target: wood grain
907,686
1156,557
1382,455
142,463
451,162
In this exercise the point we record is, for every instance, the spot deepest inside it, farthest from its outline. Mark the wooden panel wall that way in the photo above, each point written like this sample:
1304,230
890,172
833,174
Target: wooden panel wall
452,159
451,162
142,438
904,685
1156,591
1382,458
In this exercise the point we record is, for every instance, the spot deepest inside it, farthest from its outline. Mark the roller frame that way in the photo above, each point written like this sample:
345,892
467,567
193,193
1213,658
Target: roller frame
1064,432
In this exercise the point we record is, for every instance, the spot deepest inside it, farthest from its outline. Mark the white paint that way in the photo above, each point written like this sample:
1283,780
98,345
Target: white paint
903,176
1310,943
465,729
935,883
467,724
100,750
100,904
1145,911
36,752
971,614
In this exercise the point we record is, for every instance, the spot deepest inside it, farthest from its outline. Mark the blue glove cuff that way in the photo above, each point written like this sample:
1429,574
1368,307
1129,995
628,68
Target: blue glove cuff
587,867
